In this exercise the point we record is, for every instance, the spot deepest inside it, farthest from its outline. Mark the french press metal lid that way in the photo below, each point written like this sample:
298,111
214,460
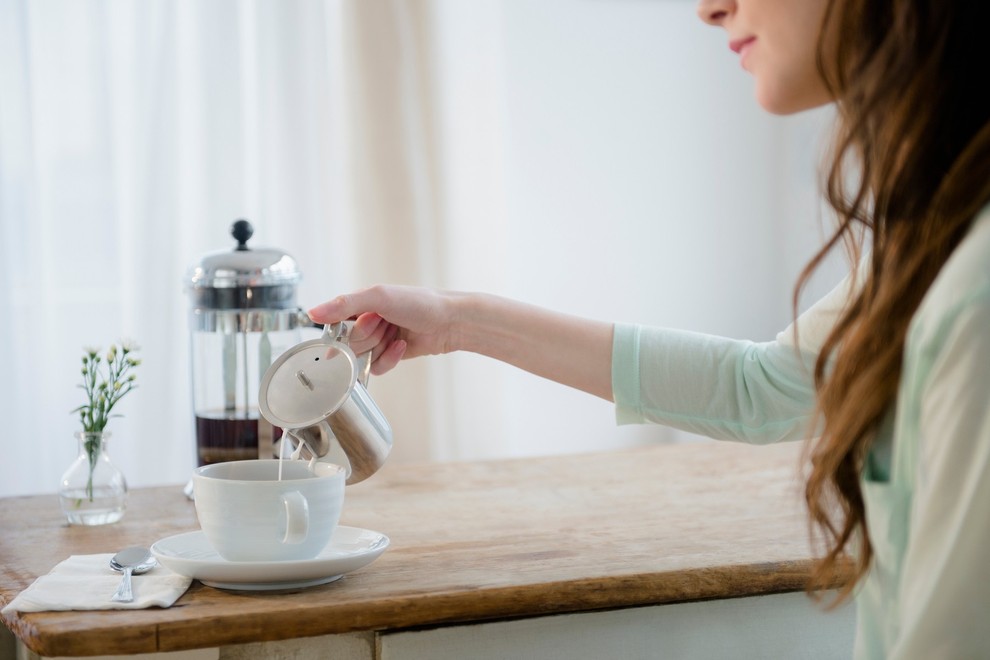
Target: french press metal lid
244,278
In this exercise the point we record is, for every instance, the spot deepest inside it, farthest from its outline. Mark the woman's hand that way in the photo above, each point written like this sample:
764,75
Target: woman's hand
394,322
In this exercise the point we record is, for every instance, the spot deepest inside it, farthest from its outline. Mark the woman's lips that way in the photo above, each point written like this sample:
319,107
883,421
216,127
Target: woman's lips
737,44
741,47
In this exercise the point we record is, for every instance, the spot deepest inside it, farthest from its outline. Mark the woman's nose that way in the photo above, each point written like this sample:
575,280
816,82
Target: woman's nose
714,12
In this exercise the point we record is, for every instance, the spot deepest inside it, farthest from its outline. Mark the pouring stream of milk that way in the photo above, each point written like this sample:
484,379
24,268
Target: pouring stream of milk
300,443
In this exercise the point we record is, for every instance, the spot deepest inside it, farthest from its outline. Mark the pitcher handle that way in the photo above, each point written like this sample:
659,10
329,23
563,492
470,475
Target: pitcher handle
341,332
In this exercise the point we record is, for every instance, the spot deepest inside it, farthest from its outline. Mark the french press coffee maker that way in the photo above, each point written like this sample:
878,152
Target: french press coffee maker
243,315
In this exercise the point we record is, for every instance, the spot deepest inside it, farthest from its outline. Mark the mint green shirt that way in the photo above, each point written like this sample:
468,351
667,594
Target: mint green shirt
927,482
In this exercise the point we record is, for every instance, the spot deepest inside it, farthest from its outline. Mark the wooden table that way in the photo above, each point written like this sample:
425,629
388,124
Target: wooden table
470,543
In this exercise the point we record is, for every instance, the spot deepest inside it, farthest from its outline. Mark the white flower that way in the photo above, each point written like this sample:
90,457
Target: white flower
127,345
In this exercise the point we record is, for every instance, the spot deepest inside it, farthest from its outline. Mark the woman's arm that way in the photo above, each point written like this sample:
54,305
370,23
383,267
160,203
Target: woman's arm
396,322
729,389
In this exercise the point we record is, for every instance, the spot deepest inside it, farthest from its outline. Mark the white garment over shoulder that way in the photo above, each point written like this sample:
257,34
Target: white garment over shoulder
927,494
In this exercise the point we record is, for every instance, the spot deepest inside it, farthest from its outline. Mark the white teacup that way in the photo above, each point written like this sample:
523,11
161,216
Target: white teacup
248,514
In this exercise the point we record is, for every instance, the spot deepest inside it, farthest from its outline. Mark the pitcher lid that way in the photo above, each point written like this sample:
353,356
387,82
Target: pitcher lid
307,383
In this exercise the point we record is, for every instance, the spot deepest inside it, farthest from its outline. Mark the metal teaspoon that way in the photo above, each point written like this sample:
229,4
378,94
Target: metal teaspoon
133,560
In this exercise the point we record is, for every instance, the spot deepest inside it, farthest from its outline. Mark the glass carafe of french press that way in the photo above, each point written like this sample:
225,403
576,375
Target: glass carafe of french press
243,315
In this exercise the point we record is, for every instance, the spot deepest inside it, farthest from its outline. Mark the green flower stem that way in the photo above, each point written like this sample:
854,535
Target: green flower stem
104,388
92,446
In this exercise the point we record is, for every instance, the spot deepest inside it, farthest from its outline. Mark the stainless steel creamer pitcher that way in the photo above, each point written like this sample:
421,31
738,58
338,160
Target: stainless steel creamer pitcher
316,391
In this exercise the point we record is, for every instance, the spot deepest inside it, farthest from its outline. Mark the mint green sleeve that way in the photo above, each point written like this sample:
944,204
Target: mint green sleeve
757,392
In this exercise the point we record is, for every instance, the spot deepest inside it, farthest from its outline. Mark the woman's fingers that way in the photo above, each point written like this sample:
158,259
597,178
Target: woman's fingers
391,332
389,358
371,333
353,305
367,332
328,312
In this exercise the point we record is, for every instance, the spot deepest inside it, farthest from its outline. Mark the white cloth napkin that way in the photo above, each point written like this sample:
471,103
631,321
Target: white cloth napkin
86,582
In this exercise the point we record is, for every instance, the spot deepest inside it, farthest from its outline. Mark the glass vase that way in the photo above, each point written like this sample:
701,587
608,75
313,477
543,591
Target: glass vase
93,490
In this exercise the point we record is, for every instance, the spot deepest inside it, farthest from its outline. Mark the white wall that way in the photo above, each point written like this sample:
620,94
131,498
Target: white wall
640,181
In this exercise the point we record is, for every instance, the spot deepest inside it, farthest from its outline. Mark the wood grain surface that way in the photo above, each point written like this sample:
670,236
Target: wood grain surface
469,542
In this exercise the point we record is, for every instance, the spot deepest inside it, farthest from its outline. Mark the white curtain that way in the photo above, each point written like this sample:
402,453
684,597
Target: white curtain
133,134
602,158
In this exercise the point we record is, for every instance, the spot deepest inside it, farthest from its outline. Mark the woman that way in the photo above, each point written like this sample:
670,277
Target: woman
890,373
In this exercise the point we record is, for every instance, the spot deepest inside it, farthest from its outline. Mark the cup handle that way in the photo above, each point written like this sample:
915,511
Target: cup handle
296,517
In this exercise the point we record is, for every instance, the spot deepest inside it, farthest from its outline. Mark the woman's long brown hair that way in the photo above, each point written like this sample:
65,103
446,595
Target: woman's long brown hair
908,169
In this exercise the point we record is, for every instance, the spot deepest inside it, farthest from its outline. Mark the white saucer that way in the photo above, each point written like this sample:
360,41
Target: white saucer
190,554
